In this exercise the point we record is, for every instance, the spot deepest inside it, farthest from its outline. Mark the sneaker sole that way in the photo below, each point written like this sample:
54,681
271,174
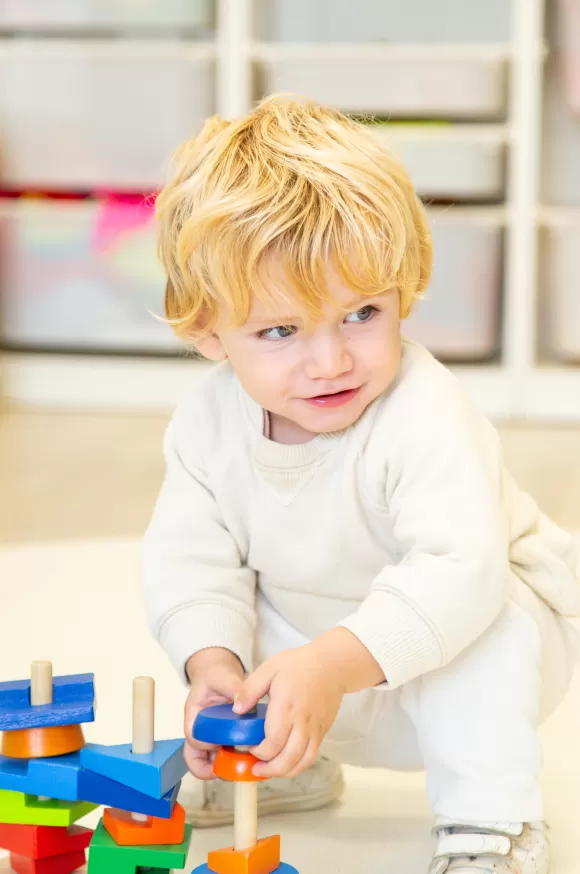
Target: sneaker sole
207,818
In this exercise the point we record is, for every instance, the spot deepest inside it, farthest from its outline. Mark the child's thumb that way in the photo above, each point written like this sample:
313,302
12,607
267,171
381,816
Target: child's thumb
254,688
227,683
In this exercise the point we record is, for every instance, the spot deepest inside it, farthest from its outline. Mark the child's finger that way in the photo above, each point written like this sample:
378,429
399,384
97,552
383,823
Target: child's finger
277,731
307,759
199,745
291,754
199,763
254,687
224,682
191,712
225,685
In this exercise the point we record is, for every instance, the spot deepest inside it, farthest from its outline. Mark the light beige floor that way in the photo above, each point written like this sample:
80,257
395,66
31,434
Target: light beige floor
77,603
67,475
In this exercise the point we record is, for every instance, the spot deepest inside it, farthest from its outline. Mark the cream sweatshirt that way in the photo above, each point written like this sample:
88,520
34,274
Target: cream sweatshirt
406,528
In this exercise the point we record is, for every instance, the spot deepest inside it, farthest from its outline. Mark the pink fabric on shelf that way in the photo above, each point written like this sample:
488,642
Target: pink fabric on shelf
118,215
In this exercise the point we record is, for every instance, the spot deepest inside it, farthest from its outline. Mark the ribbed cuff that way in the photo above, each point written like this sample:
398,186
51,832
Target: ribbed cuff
397,636
200,626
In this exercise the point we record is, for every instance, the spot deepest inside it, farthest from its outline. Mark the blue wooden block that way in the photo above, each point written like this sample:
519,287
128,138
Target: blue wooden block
62,777
102,790
221,726
154,774
55,777
282,869
73,703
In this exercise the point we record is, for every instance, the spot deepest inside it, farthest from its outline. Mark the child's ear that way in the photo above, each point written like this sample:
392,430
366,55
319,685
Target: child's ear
211,347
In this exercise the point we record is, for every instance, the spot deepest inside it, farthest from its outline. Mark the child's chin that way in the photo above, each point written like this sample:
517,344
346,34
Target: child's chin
334,420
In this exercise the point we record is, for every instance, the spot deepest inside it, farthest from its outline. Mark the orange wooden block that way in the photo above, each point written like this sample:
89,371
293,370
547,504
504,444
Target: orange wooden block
41,743
128,832
233,765
261,859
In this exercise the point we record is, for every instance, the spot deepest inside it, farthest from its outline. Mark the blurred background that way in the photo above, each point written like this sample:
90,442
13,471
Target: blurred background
481,100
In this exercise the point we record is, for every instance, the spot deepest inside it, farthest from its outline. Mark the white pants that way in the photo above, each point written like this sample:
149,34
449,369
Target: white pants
471,725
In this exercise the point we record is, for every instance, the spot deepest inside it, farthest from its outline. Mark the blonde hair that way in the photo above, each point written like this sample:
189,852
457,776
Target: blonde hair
296,181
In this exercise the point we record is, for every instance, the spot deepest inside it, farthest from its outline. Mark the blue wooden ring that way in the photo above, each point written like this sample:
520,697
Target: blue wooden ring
221,726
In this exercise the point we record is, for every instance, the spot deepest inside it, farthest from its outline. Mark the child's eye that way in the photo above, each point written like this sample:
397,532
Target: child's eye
362,315
280,332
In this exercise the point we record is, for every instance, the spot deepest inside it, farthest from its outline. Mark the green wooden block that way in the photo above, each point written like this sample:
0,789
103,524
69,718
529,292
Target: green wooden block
21,809
107,857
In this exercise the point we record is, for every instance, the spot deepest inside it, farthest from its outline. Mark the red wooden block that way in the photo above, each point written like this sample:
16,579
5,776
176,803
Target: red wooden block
65,863
41,841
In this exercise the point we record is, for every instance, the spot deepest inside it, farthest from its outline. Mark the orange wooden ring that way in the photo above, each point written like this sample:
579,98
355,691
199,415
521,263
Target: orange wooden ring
128,832
41,743
263,858
233,765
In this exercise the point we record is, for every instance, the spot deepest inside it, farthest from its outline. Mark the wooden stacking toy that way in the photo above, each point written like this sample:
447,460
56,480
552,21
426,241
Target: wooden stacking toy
49,779
233,735
129,838
41,723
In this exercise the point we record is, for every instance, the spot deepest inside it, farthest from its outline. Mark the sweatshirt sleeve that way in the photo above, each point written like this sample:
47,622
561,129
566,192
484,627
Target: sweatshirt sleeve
443,496
197,591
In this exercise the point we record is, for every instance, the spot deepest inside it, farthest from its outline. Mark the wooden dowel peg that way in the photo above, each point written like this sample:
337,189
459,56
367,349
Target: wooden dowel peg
40,683
245,815
143,715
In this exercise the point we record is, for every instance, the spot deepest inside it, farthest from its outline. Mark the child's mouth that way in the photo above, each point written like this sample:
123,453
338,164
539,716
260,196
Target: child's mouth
338,399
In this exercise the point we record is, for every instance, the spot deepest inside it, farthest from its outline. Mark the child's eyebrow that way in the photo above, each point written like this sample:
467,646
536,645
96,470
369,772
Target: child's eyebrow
272,321
275,320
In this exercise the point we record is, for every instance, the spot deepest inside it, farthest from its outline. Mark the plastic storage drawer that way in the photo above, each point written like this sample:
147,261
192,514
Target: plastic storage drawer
562,300
94,14
397,81
90,114
385,20
568,29
450,162
459,317
81,275
561,144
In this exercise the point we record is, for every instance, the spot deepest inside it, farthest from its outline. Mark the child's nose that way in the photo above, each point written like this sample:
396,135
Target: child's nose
328,358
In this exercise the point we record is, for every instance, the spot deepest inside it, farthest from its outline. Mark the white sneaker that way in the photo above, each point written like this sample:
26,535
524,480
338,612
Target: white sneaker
490,848
210,803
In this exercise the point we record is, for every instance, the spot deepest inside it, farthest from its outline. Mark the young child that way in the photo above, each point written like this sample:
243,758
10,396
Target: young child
336,528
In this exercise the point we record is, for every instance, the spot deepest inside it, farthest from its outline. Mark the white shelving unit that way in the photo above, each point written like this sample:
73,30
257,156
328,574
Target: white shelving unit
516,387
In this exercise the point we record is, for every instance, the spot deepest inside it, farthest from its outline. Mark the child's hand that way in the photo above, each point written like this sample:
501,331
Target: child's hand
216,677
305,696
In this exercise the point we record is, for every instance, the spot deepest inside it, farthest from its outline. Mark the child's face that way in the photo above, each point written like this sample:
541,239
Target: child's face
314,377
